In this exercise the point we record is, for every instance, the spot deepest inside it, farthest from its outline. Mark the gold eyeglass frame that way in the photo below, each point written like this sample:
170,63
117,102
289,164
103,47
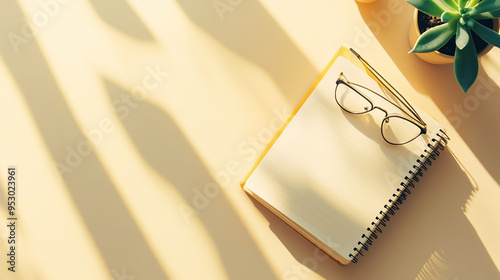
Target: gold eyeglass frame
412,116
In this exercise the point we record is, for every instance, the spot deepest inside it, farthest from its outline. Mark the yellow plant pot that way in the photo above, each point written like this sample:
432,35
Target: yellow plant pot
437,57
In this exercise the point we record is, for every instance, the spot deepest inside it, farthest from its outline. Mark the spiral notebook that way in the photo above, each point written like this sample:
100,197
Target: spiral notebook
331,176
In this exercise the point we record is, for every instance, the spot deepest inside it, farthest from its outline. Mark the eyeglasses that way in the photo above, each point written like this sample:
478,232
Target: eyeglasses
396,128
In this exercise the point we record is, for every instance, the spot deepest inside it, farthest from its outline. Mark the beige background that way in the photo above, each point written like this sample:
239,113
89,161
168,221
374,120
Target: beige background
155,110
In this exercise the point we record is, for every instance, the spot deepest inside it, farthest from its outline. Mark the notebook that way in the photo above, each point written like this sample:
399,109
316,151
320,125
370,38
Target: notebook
330,174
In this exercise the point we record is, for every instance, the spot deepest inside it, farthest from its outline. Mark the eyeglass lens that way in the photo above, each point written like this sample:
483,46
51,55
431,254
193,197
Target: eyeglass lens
351,101
397,130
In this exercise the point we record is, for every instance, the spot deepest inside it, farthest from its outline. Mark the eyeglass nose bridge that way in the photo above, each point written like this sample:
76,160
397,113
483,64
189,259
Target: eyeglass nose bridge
381,109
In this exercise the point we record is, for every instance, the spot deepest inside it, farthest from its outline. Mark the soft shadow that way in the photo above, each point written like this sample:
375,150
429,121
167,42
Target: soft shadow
370,125
251,32
366,124
107,219
473,114
165,148
430,225
121,16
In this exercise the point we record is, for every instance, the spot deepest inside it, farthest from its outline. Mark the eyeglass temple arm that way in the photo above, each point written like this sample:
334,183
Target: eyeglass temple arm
379,77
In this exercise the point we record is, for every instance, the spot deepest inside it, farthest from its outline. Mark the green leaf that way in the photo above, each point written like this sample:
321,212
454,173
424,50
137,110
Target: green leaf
461,3
447,16
487,6
427,6
485,33
435,38
473,3
466,66
462,36
486,15
449,5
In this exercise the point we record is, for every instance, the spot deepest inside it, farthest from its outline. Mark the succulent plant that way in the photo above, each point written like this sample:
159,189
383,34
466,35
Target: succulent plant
460,18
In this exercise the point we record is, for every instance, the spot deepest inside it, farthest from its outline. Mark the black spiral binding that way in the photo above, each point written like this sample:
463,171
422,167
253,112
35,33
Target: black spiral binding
402,194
